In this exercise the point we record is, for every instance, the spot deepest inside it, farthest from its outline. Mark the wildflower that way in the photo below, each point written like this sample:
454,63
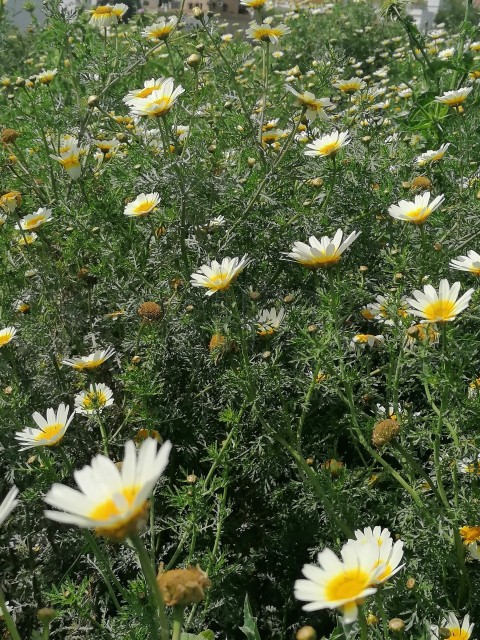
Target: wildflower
254,4
350,86
35,220
390,554
46,77
98,398
439,307
314,107
470,534
265,31
469,467
470,262
113,315
364,339
91,361
379,310
149,86
269,321
328,145
159,102
8,504
112,502
322,253
457,631
420,183
160,30
6,335
473,388
150,311
107,146
25,239
183,586
429,157
340,584
143,204
10,201
21,306
70,161
454,98
417,211
51,429
107,15
271,137
219,276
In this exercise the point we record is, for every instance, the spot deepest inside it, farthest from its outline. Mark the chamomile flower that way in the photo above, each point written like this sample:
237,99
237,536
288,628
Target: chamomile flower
417,211
26,239
470,262
142,205
10,201
160,30
467,466
95,400
92,361
314,107
390,554
340,584
159,102
269,321
324,252
113,502
6,335
149,86
8,504
350,86
458,631
35,220
439,307
107,146
71,161
328,145
50,429
454,98
218,276
430,156
46,77
380,311
107,15
366,339
265,31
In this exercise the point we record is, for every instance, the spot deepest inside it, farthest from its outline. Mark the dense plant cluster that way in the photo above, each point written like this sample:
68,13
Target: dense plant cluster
228,259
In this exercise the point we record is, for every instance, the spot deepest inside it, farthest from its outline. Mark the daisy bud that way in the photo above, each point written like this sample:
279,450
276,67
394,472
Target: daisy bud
396,625
92,101
8,391
310,461
289,298
46,615
306,633
183,586
410,584
443,632
198,13
362,268
251,162
150,311
193,60
312,328
191,479
189,308
315,182
228,105
8,136
384,432
136,360
266,355
200,48
212,148
372,620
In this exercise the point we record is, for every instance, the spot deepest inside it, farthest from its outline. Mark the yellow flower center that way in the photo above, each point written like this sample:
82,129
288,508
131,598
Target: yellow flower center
50,432
103,11
329,148
94,400
321,261
108,509
161,32
454,101
419,214
90,364
219,281
470,534
70,163
33,222
440,311
160,106
263,33
143,207
347,585
349,87
456,632
5,339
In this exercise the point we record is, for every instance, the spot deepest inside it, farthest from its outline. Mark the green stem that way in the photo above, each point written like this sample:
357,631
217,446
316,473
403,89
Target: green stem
381,611
265,68
362,623
331,185
151,580
11,626
177,622
103,432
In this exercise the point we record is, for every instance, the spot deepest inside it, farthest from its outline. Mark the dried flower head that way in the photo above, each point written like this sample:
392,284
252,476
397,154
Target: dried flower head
384,432
150,311
183,586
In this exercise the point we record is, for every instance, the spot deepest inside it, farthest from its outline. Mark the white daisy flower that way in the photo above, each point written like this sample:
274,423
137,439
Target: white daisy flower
6,335
470,262
143,204
328,145
51,429
159,102
314,107
35,220
322,253
265,31
107,15
219,276
417,211
439,307
390,554
460,631
92,361
161,29
149,86
430,156
454,98
269,321
8,504
95,400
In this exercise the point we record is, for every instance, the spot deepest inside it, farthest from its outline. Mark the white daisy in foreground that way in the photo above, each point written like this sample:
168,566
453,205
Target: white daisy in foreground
314,107
439,307
322,253
470,262
143,204
328,145
269,321
454,98
265,31
35,220
458,631
6,335
350,86
113,502
416,211
430,156
219,276
340,584
390,554
159,102
50,429
107,15
149,86
95,400
160,30
91,361
8,504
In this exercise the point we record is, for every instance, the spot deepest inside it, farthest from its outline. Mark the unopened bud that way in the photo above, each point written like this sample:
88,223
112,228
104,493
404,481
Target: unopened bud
266,355
46,615
136,359
363,268
396,625
384,432
212,148
198,13
372,620
189,308
410,584
289,298
92,101
191,479
312,328
251,162
306,633
193,60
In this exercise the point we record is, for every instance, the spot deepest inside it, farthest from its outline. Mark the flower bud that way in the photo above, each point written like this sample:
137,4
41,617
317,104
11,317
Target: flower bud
410,584
251,162
92,101
372,619
8,136
396,625
46,615
193,60
198,13
306,633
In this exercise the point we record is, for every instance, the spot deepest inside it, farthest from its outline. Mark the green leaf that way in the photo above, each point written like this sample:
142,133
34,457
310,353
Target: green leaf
249,622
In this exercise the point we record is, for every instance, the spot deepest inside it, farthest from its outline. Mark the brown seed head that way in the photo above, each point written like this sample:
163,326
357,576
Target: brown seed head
420,183
183,586
8,136
150,311
385,431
